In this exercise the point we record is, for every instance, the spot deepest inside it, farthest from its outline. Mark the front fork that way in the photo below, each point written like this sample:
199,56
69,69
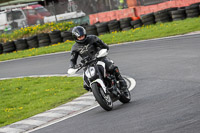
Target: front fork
100,80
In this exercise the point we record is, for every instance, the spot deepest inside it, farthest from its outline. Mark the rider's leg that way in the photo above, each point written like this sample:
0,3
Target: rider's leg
120,78
111,68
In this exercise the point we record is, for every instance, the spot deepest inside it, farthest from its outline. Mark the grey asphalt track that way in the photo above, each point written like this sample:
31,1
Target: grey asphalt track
166,97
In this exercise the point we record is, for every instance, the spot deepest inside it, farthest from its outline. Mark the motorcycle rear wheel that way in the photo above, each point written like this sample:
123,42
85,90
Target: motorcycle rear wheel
103,99
125,96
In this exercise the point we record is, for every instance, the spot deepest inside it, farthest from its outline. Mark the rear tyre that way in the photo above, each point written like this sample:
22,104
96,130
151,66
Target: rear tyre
125,96
103,99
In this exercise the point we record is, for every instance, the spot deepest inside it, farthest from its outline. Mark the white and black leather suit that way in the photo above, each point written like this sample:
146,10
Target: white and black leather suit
88,49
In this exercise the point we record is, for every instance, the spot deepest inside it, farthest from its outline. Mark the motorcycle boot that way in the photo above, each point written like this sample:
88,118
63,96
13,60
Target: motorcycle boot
120,79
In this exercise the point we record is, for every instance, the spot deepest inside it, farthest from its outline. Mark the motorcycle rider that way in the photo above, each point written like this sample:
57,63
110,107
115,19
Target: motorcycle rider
87,46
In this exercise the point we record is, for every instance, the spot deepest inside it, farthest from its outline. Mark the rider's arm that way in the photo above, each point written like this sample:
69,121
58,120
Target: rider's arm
101,44
73,59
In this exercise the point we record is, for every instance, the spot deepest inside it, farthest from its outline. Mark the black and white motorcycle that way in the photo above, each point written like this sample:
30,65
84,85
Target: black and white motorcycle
105,87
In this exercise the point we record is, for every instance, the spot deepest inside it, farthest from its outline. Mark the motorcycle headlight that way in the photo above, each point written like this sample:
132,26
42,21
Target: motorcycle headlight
90,72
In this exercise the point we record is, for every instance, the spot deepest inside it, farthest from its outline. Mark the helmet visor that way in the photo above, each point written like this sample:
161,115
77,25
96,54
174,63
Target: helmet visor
81,37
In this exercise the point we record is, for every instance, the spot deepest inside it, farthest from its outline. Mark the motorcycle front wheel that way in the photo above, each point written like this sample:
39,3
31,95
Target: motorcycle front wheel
102,98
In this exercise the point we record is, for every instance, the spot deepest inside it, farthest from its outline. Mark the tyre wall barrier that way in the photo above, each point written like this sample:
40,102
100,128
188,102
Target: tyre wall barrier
66,35
125,23
55,37
140,10
9,47
21,44
40,40
1,48
32,42
91,30
121,23
114,25
44,39
135,11
102,28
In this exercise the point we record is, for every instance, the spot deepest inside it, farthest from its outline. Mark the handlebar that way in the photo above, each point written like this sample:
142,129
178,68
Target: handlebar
85,63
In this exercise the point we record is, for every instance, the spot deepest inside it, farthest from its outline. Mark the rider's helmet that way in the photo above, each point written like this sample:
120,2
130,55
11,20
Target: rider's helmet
78,32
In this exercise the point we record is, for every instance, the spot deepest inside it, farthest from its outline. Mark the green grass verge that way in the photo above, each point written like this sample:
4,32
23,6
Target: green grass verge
24,97
148,32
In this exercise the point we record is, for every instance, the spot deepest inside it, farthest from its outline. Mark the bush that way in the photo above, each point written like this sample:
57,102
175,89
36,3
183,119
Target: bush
37,29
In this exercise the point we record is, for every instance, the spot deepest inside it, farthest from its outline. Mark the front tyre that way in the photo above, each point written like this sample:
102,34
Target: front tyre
103,99
125,96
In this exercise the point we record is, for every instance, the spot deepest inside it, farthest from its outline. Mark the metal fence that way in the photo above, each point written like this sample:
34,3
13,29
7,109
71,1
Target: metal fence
57,9
87,6
150,2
